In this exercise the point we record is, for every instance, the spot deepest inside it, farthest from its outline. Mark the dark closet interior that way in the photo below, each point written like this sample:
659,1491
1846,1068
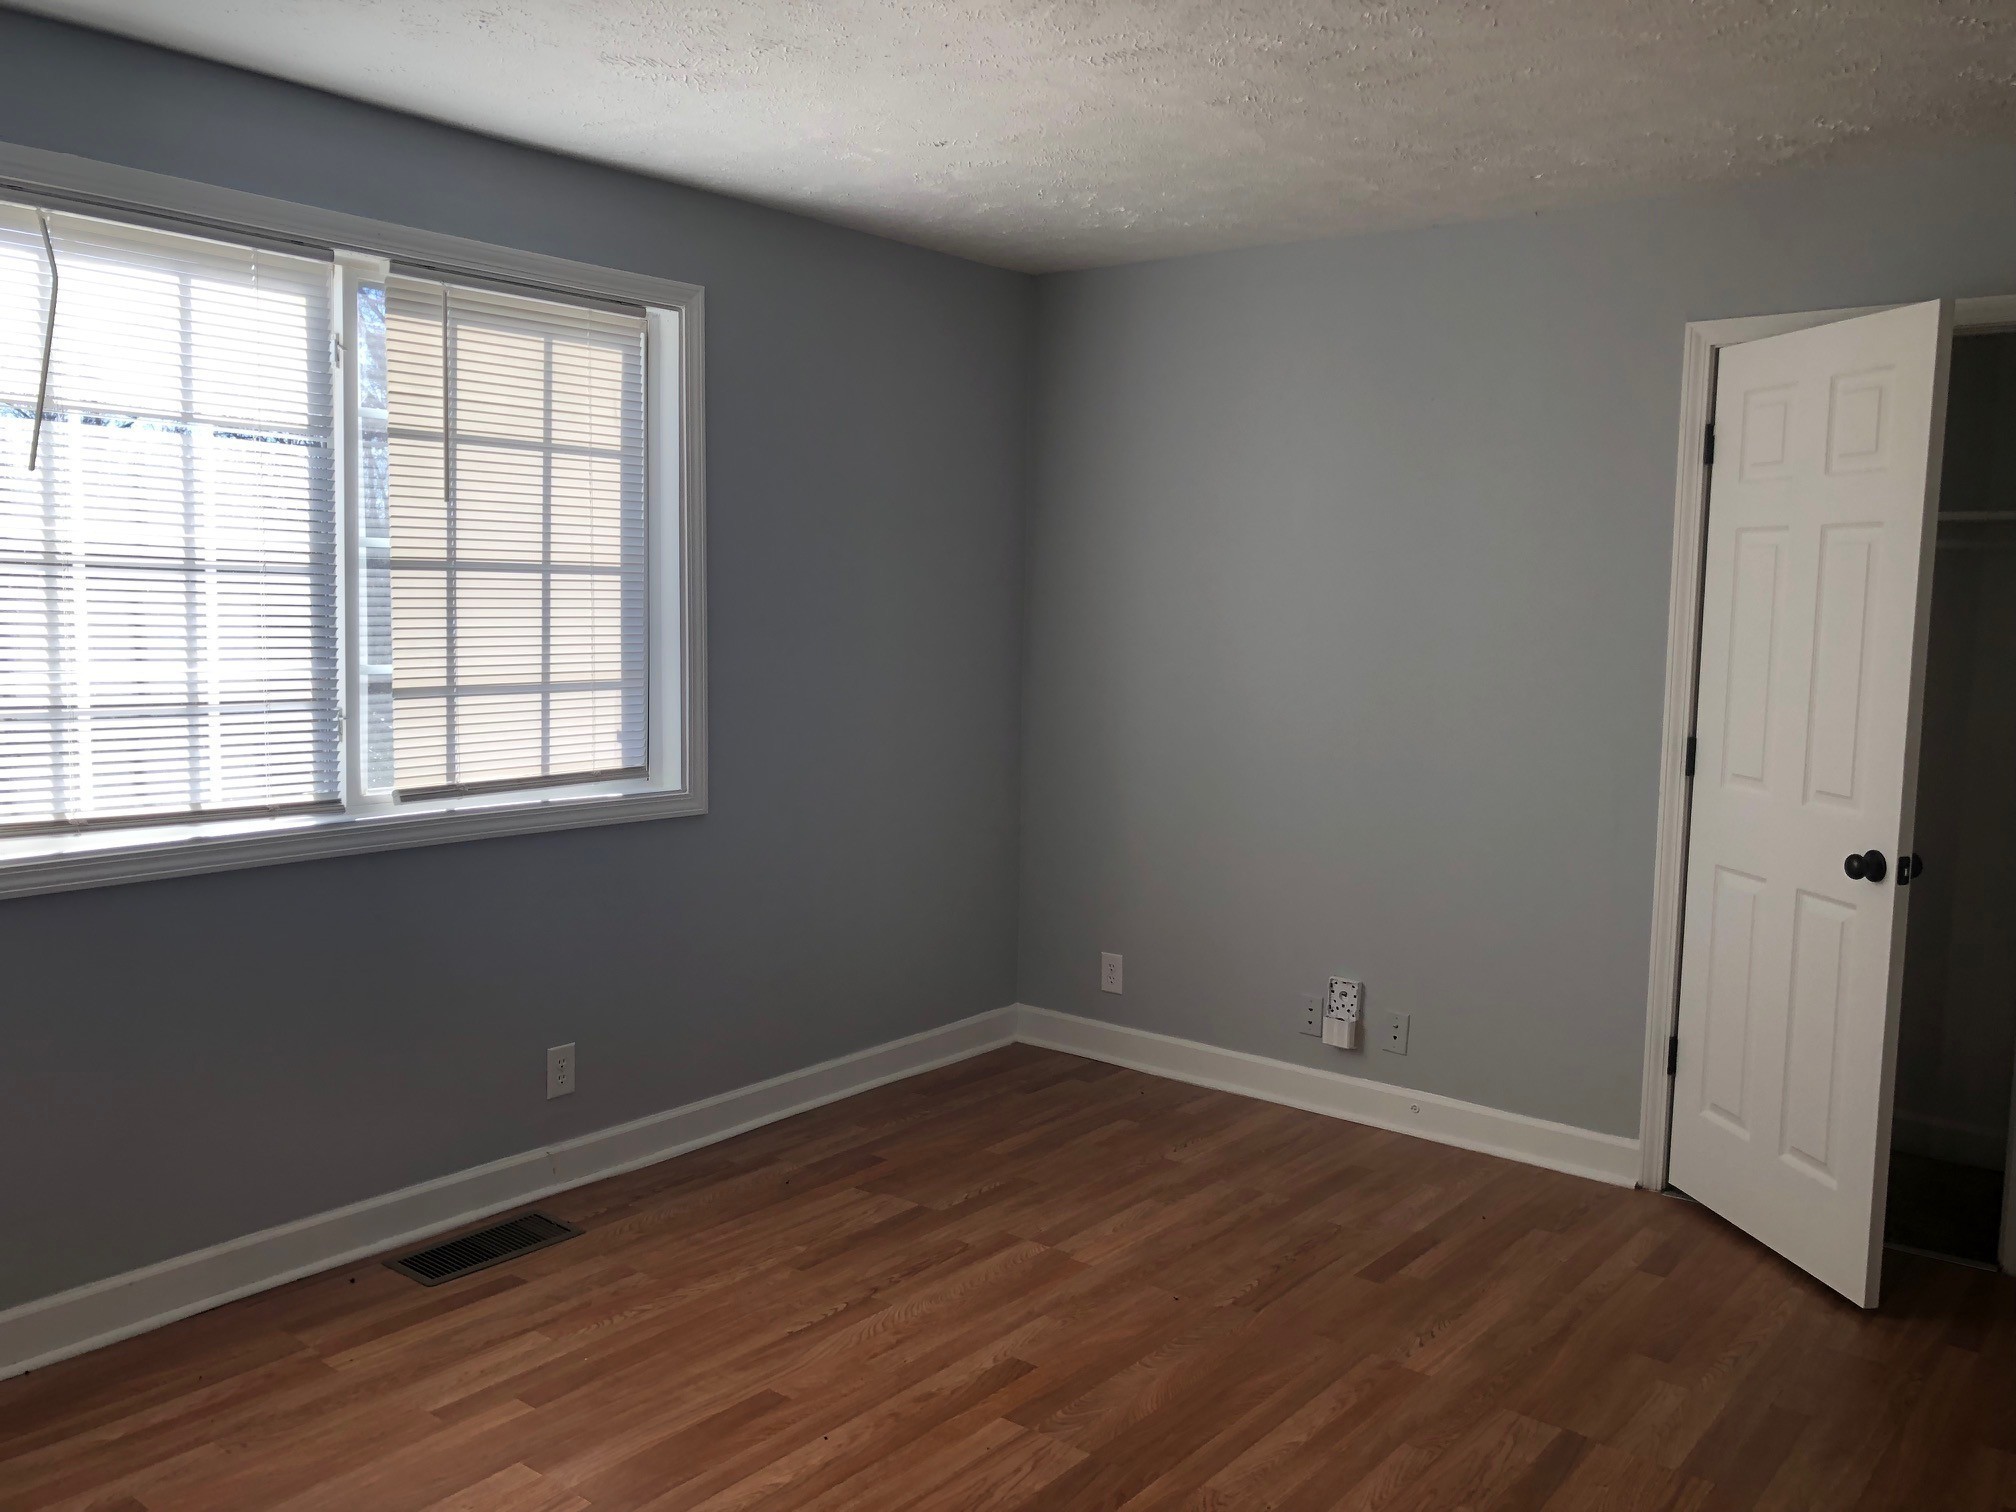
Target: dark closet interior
1956,1050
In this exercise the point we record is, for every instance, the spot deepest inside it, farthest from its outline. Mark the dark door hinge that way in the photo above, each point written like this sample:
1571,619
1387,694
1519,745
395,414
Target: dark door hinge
1673,1055
1690,756
1708,444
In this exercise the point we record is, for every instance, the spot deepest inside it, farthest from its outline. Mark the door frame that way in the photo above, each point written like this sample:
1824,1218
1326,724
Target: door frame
1703,340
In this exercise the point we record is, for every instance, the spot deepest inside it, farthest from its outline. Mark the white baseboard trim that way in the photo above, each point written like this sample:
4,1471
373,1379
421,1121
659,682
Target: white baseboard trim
1610,1158
53,1328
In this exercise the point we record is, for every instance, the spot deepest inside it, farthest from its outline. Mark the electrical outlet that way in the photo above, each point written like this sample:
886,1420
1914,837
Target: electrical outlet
559,1071
1393,1032
1109,971
1309,1006
1342,1013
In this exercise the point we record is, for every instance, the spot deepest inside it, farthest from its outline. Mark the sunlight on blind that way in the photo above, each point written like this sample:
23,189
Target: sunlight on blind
167,573
515,494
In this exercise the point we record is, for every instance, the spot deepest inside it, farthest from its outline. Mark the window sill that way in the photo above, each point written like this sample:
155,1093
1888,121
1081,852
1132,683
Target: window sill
103,858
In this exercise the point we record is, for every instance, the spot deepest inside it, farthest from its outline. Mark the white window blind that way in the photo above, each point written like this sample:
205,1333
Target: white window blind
515,498
167,570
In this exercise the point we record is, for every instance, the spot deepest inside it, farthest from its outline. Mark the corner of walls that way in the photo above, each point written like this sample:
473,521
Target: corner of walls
48,1329
1347,599
287,1041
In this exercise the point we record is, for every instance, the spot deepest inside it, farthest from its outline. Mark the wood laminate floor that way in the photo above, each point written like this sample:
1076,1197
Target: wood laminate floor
1031,1281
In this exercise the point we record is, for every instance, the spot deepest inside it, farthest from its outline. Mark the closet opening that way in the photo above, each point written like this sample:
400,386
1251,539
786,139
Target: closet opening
1956,1049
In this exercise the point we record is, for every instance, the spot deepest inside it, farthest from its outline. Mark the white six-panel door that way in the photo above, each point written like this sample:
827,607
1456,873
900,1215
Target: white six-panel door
1812,627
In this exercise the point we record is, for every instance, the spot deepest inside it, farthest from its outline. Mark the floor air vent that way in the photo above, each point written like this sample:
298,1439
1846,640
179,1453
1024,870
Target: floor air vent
485,1247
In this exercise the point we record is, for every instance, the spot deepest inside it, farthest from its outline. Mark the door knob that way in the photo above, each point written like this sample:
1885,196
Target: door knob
1870,866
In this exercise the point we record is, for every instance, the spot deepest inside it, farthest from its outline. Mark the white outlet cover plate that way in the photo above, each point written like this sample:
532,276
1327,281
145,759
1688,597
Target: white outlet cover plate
559,1070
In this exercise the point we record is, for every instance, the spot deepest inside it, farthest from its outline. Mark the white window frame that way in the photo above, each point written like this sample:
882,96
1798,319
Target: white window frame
676,780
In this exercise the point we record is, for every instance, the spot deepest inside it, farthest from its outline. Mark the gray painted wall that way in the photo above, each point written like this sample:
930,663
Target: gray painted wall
1347,614
186,1061
1345,572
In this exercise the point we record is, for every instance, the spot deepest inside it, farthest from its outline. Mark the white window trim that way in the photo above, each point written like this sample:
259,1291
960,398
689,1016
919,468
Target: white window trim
676,783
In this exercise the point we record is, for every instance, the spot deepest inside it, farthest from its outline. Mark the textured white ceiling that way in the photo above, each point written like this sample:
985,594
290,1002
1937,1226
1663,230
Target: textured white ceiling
1046,134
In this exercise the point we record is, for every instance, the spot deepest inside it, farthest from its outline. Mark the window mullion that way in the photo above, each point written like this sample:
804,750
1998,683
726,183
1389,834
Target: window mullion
346,458
546,568
355,274
449,627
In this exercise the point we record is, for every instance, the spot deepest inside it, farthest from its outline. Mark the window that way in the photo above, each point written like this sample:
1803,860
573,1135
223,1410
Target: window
515,569
308,549
168,566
